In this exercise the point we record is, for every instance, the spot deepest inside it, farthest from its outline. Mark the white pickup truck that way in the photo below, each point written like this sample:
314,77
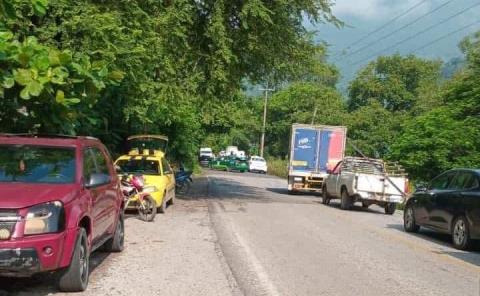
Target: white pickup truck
367,181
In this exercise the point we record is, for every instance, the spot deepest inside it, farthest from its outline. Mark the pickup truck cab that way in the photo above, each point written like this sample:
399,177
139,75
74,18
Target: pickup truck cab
60,200
367,181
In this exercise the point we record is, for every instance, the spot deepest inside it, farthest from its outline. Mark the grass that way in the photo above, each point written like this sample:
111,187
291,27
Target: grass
277,167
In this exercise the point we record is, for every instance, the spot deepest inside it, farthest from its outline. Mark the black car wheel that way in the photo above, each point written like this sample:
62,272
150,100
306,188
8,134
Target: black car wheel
116,243
325,196
75,278
346,200
460,233
390,208
409,223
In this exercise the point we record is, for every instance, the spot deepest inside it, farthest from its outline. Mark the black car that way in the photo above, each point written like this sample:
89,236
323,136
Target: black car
450,204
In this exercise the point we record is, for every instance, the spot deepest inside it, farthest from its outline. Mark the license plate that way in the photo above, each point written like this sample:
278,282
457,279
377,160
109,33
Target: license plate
297,186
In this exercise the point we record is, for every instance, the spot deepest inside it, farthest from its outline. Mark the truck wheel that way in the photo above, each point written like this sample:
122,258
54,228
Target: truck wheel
116,243
461,233
409,220
325,196
390,208
346,201
75,278
365,205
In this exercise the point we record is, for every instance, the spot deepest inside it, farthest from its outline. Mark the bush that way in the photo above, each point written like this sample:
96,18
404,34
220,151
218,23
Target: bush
278,167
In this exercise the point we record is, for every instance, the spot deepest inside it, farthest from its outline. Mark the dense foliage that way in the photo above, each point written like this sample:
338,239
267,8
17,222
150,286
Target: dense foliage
113,68
117,67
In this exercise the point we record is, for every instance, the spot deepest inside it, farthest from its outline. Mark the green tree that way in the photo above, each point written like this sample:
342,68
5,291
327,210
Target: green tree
394,81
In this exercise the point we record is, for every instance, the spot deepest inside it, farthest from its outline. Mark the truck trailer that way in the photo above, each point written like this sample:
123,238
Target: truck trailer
314,150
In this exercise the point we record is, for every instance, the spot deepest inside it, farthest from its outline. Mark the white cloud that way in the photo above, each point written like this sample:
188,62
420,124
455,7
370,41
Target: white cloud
376,9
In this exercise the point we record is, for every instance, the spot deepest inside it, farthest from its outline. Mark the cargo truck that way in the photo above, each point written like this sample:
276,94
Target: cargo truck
314,150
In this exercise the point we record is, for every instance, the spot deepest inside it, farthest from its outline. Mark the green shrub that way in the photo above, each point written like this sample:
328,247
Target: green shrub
277,167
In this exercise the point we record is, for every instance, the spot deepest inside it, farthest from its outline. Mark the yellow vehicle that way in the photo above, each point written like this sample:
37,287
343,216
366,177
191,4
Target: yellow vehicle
145,158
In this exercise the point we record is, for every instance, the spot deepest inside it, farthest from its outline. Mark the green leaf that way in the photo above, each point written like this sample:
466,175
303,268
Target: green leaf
8,82
54,58
60,97
24,94
34,88
23,76
65,57
40,7
6,35
72,101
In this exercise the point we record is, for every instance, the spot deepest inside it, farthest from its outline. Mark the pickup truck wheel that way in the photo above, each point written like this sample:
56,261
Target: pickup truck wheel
461,233
75,278
325,196
409,223
116,243
346,201
390,208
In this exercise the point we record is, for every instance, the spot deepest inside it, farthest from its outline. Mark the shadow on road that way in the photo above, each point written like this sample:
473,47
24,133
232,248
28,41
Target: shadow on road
357,208
42,284
471,256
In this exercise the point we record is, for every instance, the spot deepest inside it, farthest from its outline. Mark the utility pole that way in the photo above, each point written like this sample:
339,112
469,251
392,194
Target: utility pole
262,141
314,115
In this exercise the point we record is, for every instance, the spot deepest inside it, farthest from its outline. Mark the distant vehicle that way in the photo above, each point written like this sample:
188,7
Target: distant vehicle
257,164
206,154
231,151
314,149
60,201
156,170
368,181
241,153
449,204
230,164
222,153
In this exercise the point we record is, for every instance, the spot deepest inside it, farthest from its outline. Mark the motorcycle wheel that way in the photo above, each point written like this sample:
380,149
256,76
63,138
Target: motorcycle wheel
147,209
183,188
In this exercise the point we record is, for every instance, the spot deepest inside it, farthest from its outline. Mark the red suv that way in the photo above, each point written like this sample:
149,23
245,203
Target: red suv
60,200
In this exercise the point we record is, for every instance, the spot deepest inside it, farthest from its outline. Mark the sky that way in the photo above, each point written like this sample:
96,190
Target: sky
364,16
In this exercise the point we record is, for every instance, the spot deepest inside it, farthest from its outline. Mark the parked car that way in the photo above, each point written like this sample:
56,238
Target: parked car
365,180
229,164
449,204
60,201
156,171
257,164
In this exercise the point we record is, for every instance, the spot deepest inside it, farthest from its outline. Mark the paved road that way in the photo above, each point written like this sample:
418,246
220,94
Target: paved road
241,234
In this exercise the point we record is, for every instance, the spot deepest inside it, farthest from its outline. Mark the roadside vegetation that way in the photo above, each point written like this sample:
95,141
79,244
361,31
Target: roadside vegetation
180,68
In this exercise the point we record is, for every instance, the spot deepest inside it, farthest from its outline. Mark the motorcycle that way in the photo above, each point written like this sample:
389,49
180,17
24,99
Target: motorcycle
136,193
182,182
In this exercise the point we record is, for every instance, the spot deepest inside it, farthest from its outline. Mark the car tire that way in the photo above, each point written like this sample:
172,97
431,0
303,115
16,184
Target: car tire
365,205
116,243
75,277
390,208
325,196
409,223
163,207
346,200
460,233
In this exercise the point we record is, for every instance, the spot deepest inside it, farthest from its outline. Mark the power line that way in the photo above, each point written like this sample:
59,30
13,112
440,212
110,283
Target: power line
383,26
417,34
445,36
400,29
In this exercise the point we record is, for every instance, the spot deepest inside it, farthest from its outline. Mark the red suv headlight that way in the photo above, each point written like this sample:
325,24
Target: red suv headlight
45,218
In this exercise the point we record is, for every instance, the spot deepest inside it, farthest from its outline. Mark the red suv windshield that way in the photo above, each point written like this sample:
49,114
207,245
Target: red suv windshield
37,164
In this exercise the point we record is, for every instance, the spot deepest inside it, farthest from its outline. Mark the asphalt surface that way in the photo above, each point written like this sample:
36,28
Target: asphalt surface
242,234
